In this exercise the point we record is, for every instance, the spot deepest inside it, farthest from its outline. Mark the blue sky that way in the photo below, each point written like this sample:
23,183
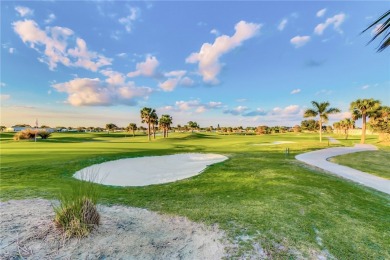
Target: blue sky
88,63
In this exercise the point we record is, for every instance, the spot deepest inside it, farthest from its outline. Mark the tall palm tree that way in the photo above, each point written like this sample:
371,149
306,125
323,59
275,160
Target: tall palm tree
321,110
154,123
132,127
383,29
165,123
363,108
147,115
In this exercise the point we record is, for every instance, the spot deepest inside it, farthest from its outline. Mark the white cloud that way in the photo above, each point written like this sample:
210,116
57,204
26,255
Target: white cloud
175,78
321,12
336,20
209,54
193,106
146,68
113,77
299,41
365,87
94,92
128,20
50,18
55,46
215,31
296,91
87,59
289,110
24,11
2,84
282,24
4,97
11,50
122,55
236,111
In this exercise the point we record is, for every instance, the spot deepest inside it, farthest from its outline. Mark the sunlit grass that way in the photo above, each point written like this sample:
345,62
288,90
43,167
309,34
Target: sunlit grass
261,193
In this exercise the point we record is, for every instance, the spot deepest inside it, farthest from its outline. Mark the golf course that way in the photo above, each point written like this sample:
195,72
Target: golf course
266,202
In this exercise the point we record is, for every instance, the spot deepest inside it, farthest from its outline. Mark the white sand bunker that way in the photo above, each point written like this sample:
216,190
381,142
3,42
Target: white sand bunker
27,232
276,143
149,170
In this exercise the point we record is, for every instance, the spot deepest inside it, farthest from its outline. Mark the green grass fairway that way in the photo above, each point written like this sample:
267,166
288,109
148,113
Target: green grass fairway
260,195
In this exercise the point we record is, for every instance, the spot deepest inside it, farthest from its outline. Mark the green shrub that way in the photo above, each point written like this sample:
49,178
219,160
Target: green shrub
44,134
25,134
77,215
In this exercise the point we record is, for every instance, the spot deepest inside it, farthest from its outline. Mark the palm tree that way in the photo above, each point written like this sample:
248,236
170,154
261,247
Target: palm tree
347,124
147,115
132,127
337,126
154,122
321,110
193,125
380,123
381,30
165,124
363,108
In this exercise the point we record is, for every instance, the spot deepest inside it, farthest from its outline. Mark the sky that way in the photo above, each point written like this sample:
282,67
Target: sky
89,63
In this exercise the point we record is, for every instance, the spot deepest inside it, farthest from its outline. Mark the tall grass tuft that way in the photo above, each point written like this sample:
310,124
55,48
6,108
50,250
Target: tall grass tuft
77,215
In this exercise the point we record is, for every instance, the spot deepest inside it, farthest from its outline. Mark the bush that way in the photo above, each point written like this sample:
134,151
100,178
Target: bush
25,134
77,215
44,134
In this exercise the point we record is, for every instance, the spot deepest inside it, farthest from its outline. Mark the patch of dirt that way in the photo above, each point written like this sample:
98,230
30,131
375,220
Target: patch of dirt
27,232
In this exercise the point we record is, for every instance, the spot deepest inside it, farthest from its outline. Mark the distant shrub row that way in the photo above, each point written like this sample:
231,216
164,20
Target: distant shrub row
30,134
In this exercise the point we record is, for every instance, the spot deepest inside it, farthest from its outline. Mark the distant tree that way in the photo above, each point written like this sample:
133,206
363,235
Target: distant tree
165,124
383,23
2,128
148,116
193,125
132,127
22,125
110,127
363,108
45,126
310,125
337,127
380,123
81,129
323,111
347,124
262,130
296,129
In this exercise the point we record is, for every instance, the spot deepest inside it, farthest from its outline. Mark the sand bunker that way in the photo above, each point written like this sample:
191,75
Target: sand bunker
27,232
277,142
149,170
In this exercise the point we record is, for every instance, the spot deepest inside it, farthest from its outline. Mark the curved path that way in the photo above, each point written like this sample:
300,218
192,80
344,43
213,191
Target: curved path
319,159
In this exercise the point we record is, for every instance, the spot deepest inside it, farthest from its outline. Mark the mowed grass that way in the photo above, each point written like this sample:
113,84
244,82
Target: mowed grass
260,196
373,162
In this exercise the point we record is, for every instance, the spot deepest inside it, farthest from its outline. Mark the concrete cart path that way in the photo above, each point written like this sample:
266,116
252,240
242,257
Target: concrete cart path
319,159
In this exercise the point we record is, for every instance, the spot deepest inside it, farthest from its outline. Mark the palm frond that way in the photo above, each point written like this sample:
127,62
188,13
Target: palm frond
381,31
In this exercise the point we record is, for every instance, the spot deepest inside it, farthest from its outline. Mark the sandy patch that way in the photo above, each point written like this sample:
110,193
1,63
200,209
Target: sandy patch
149,170
276,143
125,233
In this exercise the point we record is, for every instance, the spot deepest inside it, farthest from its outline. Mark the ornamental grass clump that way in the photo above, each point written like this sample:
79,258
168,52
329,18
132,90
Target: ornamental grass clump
77,215
25,134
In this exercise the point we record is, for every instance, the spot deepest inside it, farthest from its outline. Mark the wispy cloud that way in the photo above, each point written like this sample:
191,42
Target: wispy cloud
282,24
365,87
209,54
128,20
175,78
336,21
299,41
50,18
321,12
194,105
24,11
295,91
4,97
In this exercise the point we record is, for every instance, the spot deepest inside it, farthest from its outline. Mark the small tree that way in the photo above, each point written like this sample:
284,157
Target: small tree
110,127
132,127
347,124
2,128
321,110
380,123
44,134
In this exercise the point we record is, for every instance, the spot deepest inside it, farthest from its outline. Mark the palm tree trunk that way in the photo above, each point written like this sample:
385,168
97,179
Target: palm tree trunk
154,132
167,132
133,133
363,139
149,131
320,130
